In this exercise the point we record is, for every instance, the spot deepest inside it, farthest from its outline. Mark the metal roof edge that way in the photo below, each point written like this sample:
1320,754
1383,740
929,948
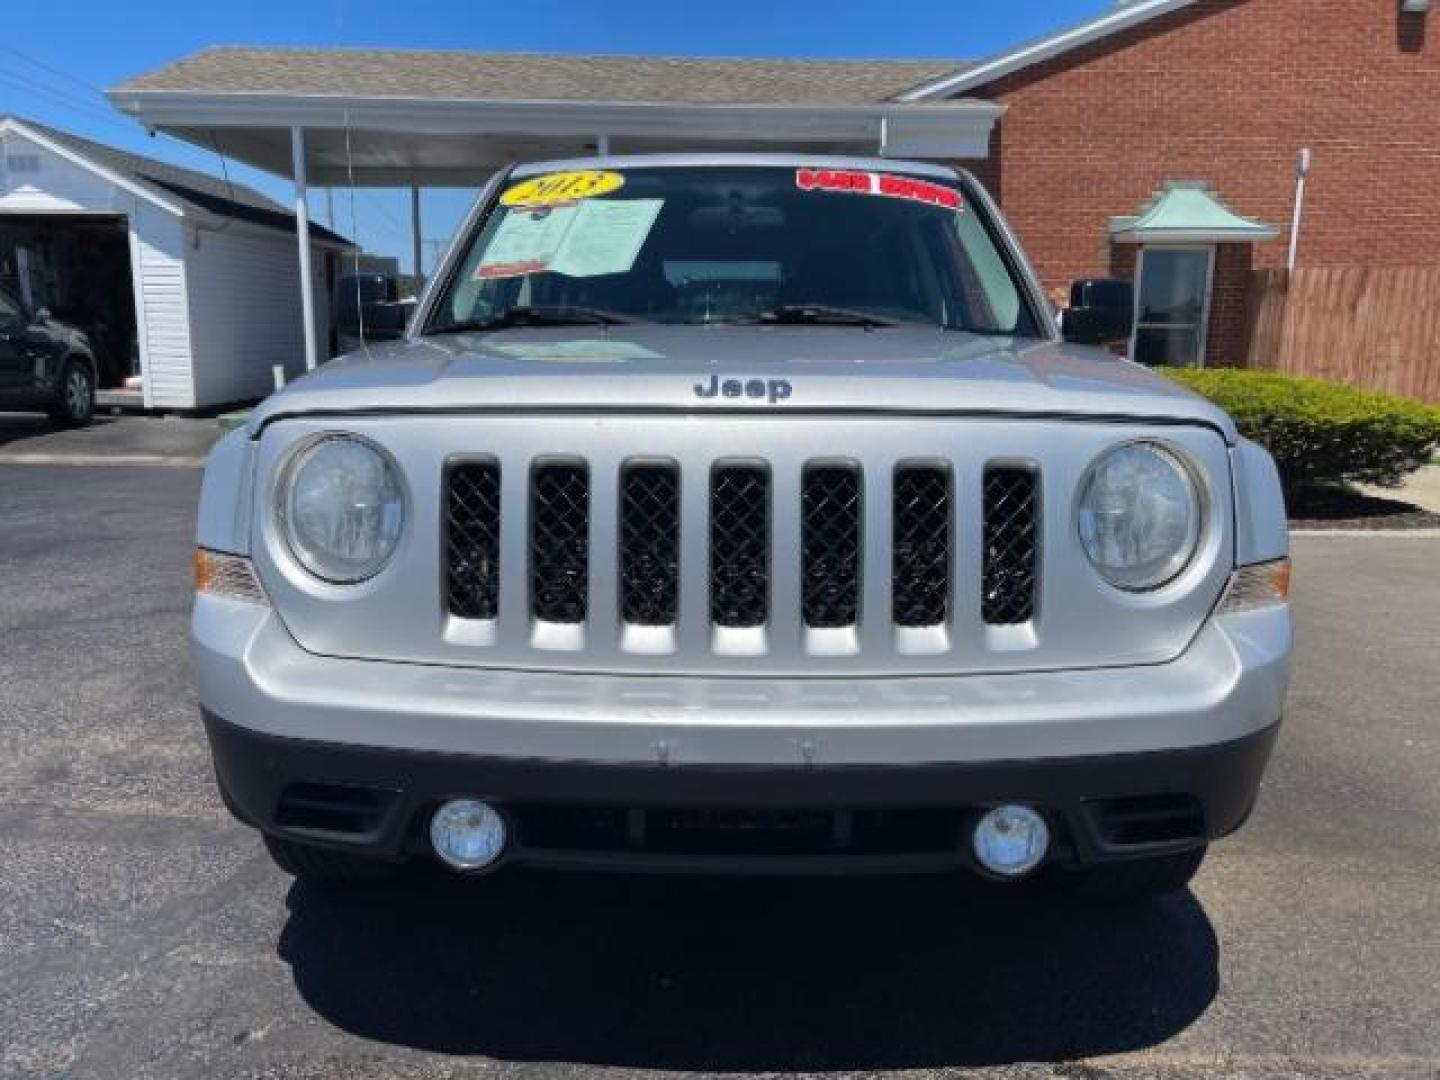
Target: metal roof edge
132,102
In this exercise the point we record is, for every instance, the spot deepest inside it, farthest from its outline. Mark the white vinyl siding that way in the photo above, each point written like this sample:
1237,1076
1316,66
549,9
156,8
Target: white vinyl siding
245,312
166,359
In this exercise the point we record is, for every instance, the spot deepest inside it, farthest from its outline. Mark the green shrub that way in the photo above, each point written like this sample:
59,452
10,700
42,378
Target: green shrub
1322,432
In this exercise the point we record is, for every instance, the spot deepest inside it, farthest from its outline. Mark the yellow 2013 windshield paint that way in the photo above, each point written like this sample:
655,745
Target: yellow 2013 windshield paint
562,188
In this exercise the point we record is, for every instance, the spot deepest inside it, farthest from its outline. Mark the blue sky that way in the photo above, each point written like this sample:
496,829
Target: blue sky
56,57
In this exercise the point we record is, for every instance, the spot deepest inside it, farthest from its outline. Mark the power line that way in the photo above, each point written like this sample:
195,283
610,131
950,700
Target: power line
58,99
86,103
51,70
389,224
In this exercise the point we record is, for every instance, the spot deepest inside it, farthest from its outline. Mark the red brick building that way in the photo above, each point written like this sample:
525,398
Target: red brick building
1227,92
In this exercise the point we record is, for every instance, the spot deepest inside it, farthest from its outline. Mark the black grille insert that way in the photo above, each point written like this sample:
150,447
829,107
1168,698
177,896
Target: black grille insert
649,544
1012,521
1134,820
333,808
472,540
559,542
740,545
921,543
830,545
756,831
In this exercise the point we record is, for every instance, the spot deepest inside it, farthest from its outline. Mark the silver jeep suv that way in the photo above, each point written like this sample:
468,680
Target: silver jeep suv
741,513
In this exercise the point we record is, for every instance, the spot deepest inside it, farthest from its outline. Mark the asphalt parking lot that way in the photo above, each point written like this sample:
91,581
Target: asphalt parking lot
31,439
143,934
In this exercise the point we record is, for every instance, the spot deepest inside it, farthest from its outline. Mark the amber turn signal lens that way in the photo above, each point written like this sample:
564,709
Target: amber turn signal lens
1257,586
220,574
200,563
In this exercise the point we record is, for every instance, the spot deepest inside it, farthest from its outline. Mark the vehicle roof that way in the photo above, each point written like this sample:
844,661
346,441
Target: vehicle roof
769,160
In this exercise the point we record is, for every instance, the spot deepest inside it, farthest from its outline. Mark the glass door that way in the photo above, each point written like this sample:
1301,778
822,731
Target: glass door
1172,305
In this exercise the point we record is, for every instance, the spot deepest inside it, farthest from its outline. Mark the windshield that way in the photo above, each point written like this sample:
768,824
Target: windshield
723,245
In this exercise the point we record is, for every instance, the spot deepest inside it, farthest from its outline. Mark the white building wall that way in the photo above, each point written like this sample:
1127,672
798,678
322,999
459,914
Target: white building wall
215,308
35,180
157,255
245,311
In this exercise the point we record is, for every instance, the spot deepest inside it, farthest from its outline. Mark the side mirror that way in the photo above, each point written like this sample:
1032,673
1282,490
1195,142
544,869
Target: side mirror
382,320
1101,312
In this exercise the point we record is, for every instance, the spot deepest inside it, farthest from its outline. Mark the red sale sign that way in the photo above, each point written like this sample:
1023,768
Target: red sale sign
856,182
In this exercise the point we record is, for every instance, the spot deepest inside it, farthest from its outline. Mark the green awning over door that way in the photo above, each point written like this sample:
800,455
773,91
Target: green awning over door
1187,211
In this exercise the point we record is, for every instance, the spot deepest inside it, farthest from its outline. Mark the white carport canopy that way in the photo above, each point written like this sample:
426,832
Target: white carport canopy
386,118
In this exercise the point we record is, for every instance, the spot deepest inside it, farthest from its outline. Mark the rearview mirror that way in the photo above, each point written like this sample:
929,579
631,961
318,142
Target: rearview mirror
1101,312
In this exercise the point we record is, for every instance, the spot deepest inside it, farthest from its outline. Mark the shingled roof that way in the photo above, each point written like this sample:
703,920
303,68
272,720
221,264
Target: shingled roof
171,183
536,76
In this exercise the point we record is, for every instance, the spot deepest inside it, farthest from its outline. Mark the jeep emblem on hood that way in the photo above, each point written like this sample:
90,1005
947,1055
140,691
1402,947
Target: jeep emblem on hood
773,391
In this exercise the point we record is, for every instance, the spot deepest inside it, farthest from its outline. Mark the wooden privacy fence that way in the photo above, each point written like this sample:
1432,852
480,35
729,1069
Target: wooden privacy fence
1363,326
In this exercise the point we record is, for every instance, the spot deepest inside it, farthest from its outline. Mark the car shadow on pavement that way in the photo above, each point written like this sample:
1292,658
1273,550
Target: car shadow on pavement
19,427
749,975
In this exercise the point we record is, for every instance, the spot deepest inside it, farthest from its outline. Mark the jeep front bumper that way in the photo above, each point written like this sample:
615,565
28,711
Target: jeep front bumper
730,774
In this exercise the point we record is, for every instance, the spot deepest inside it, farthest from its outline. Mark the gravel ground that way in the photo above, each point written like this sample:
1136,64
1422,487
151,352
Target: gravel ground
143,934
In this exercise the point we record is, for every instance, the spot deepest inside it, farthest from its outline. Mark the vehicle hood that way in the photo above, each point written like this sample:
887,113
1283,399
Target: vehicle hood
774,369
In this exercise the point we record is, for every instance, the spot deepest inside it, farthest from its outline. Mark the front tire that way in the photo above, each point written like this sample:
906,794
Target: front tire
74,403
1138,879
323,867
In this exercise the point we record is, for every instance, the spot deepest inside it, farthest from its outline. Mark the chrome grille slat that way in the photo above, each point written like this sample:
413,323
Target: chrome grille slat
693,630
877,633
602,618
784,624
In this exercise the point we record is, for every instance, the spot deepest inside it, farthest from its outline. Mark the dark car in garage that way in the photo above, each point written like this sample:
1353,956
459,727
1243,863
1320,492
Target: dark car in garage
45,365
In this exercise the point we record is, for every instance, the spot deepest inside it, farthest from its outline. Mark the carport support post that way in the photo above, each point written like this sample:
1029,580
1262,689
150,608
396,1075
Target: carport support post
415,236
302,236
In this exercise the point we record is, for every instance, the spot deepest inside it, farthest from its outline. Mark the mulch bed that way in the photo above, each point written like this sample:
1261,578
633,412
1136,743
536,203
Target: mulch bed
1345,508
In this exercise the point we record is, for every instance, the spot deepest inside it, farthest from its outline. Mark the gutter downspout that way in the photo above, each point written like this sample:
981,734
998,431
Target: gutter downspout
1302,169
416,266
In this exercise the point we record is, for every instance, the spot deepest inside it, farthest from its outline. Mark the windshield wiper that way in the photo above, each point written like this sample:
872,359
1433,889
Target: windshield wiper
536,315
792,314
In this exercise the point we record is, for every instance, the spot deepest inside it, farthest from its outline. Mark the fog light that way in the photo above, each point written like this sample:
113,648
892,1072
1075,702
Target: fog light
467,834
1011,840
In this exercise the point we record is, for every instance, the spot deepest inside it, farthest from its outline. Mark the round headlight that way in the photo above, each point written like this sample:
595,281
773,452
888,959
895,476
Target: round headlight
342,508
1139,516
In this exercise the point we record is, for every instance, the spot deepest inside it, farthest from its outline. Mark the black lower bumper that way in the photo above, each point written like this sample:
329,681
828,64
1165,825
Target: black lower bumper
749,818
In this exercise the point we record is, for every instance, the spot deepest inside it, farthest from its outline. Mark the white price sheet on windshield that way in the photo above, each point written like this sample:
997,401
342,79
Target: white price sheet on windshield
585,239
